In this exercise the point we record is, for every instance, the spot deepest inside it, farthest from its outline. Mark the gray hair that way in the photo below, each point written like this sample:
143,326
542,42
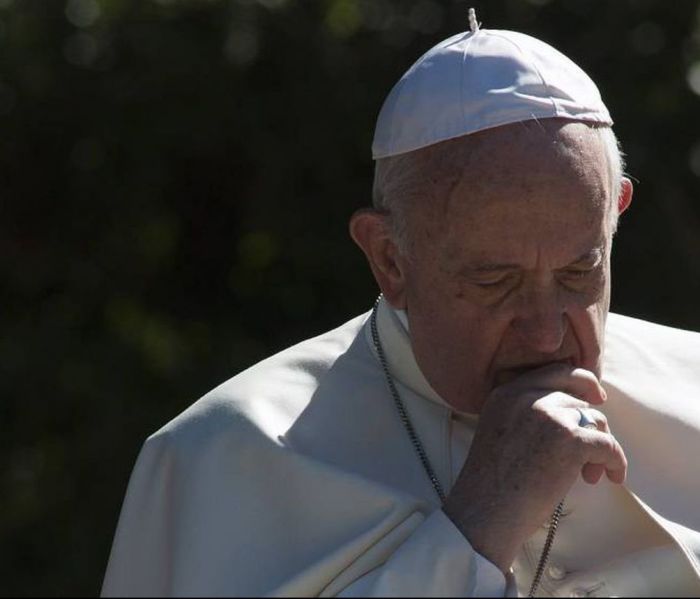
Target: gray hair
400,180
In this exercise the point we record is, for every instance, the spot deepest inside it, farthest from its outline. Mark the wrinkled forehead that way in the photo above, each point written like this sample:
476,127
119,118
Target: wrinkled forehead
514,161
529,145
520,194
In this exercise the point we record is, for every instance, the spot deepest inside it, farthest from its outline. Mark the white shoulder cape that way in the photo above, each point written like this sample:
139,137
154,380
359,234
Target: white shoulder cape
296,477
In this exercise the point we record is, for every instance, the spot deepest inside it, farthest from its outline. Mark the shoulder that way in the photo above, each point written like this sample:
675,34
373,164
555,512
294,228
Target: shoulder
653,368
652,378
265,399
650,348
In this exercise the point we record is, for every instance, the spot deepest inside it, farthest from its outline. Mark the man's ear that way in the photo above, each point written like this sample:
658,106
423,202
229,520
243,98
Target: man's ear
625,198
371,231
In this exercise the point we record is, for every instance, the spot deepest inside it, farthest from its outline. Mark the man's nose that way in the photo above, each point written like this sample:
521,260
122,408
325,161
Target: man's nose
542,320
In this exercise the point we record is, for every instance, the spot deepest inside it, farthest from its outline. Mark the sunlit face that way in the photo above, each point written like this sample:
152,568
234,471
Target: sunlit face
513,270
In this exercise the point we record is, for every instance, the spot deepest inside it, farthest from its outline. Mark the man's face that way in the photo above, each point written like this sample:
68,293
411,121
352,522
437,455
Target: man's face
512,270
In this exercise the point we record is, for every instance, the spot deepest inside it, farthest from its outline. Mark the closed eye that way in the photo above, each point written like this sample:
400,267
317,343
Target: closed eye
579,278
579,273
493,281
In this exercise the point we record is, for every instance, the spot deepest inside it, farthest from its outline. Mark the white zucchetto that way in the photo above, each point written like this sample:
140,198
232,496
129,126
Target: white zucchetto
480,79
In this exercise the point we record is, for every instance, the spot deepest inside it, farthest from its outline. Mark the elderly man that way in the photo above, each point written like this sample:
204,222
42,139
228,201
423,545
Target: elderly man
486,429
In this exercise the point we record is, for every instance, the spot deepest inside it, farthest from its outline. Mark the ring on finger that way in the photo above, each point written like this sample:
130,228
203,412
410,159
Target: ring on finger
585,421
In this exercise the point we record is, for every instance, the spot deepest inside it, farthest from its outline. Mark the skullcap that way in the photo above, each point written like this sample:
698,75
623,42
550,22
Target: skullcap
480,79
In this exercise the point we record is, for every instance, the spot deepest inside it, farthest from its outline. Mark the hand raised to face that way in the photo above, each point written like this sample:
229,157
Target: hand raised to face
527,452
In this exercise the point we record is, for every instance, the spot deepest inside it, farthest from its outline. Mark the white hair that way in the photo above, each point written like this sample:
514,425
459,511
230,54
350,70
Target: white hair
400,180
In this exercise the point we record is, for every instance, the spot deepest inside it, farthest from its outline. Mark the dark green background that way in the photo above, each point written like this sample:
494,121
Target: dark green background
176,181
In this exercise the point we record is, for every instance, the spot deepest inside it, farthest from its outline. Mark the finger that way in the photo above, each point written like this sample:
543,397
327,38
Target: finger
587,417
592,473
577,413
578,382
616,476
602,448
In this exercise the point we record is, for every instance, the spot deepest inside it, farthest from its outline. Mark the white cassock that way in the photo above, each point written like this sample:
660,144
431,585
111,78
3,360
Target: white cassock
297,478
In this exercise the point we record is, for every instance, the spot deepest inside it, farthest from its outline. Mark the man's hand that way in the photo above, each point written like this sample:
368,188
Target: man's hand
528,451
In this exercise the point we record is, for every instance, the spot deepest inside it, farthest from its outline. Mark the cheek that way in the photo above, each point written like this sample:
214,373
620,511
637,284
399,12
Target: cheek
477,336
588,328
459,334
587,313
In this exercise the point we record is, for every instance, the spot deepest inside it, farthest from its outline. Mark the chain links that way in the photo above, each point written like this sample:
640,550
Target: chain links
423,456
403,413
544,557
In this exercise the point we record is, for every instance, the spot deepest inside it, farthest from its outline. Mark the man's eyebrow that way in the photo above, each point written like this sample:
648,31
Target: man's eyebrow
596,253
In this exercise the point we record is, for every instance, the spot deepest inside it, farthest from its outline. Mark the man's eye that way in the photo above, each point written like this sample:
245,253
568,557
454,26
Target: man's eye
579,273
492,282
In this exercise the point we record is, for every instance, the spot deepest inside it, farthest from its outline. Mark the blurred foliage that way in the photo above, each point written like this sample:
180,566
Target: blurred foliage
177,176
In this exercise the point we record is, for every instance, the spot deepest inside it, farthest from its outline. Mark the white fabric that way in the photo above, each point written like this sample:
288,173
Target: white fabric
403,319
436,560
296,478
475,81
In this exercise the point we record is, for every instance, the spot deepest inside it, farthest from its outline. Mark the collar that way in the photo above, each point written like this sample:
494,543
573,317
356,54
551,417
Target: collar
392,326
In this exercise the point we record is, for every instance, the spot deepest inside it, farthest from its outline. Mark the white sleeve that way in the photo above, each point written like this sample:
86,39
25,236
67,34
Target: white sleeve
435,561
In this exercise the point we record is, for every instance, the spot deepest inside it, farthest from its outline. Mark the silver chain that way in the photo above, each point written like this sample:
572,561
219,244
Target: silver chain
553,523
403,413
423,456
